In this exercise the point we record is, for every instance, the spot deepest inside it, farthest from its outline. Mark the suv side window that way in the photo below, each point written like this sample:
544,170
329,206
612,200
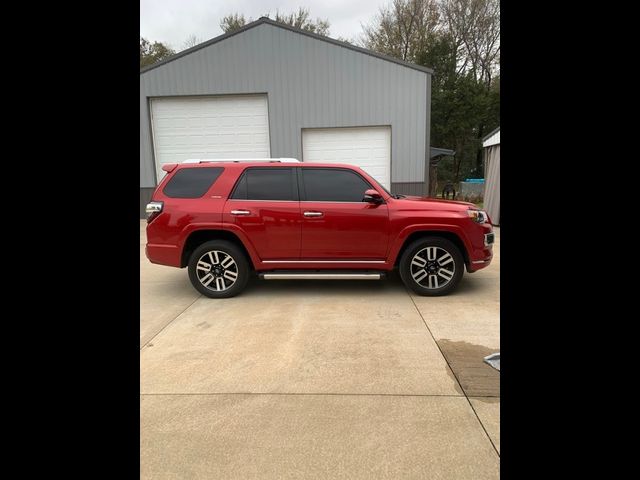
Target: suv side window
333,185
191,182
266,184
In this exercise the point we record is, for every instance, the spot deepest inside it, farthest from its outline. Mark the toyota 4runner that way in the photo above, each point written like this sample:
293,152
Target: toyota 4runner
226,220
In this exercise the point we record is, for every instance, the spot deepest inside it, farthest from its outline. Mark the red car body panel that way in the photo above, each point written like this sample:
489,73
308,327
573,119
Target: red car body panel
356,231
272,227
277,235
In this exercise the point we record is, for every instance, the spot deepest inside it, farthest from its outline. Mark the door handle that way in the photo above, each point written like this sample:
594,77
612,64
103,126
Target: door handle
240,212
313,214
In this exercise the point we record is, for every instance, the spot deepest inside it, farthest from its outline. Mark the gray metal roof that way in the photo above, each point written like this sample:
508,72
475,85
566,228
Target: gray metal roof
495,130
262,20
436,152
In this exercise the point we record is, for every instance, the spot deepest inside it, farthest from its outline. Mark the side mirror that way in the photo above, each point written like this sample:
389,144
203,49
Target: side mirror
372,196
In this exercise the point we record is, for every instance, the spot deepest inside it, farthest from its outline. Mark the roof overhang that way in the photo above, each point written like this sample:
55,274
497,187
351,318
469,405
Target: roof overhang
437,154
492,138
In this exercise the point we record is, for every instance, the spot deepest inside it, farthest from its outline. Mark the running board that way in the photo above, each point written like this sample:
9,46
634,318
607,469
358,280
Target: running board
321,276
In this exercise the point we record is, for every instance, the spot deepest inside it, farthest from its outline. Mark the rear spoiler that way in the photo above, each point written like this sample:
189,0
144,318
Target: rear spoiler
169,167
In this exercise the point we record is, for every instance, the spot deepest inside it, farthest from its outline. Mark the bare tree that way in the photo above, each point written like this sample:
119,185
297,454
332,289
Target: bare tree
302,19
191,41
403,28
233,22
475,28
298,19
151,53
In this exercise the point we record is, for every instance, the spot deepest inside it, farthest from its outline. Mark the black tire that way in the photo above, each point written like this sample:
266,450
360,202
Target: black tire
218,273
434,273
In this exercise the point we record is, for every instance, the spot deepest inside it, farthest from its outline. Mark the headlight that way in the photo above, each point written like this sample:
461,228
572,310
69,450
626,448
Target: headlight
478,216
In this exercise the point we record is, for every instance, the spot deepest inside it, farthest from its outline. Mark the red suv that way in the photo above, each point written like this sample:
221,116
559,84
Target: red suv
282,219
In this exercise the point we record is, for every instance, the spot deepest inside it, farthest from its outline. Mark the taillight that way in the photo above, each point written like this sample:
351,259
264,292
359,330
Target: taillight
153,210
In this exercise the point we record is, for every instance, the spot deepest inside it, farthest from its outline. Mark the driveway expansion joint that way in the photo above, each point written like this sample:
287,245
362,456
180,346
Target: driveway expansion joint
454,374
169,323
305,394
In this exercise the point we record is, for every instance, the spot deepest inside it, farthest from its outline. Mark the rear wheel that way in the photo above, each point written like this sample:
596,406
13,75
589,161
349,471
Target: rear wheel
218,269
431,266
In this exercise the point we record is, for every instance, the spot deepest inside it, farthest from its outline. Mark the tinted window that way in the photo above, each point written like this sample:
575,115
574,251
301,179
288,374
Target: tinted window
331,185
241,189
191,182
265,184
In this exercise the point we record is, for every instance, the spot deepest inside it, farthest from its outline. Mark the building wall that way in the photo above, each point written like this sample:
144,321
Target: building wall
492,187
309,84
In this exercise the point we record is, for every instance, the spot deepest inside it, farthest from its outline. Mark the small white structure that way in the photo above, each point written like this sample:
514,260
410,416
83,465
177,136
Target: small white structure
491,146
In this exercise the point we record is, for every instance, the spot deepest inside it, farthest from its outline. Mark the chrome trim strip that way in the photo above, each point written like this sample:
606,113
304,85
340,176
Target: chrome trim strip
321,276
323,261
480,261
240,212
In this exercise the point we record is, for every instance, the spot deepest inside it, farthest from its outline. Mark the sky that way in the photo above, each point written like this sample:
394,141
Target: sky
173,21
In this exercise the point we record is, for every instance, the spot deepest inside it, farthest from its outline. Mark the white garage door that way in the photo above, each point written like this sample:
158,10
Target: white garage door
367,147
209,127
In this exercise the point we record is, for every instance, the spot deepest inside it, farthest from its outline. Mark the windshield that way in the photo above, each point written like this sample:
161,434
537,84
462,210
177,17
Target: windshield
382,187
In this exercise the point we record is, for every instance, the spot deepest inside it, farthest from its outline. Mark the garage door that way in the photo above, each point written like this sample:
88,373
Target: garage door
209,127
368,147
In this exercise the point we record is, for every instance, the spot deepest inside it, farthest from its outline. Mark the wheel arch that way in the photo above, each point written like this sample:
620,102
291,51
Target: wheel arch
198,237
449,235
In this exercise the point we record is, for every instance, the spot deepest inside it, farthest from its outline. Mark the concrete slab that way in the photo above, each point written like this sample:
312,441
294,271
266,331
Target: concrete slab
160,303
488,410
299,337
476,323
312,436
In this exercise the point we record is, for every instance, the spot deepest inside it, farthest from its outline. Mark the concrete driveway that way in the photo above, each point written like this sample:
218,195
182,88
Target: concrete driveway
356,379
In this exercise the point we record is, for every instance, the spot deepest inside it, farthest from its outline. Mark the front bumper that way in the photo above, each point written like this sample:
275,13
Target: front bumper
476,265
482,253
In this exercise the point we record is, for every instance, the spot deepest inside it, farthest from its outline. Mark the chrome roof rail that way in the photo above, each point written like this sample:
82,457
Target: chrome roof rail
238,160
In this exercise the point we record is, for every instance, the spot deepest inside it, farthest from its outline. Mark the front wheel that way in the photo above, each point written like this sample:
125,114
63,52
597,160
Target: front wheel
218,269
431,266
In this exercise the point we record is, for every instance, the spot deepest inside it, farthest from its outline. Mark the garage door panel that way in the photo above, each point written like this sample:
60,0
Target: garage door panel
209,127
367,147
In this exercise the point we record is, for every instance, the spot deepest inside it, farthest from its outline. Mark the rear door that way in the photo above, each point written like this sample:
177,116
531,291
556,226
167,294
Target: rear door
337,223
265,205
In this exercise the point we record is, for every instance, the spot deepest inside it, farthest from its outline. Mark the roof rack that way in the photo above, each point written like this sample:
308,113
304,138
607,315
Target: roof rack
238,160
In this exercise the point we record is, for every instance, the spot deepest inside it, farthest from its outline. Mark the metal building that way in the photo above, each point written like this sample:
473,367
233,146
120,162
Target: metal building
271,90
491,146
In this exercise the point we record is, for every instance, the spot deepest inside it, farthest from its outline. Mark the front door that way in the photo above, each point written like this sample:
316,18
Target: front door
264,204
336,223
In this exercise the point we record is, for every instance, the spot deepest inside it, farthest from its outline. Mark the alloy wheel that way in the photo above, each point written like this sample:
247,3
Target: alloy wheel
432,267
217,270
